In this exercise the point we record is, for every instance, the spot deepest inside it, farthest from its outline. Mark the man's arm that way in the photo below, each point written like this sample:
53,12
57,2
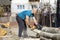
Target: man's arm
27,20
35,21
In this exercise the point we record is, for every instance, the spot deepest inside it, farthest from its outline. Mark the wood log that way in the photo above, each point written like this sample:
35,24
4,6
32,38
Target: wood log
53,36
43,38
50,30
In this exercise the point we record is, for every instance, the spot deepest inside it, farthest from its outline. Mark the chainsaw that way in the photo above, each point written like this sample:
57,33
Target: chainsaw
39,27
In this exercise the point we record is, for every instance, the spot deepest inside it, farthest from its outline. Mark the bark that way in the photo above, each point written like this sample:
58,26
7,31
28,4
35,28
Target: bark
43,38
52,33
50,30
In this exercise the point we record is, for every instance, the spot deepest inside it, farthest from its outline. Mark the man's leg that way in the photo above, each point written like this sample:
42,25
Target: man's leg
25,30
21,25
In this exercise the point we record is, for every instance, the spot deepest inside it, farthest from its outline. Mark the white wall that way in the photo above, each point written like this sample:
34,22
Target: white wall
15,9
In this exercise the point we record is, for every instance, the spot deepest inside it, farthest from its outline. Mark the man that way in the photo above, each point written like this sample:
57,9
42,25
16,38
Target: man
23,20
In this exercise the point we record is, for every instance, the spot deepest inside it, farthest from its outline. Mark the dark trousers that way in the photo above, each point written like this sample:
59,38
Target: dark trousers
22,26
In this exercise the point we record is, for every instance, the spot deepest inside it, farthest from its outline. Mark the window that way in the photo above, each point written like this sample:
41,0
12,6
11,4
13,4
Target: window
20,6
34,6
34,0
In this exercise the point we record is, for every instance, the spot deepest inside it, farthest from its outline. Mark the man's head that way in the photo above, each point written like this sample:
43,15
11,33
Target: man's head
34,10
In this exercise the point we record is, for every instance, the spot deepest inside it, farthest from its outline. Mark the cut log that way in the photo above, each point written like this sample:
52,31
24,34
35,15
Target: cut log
51,30
43,38
55,36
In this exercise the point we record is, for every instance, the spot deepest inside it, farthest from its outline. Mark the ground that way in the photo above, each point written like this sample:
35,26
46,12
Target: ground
12,34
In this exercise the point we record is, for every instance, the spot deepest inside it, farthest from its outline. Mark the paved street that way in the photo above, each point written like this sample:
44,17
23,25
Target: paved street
31,39
13,32
29,32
